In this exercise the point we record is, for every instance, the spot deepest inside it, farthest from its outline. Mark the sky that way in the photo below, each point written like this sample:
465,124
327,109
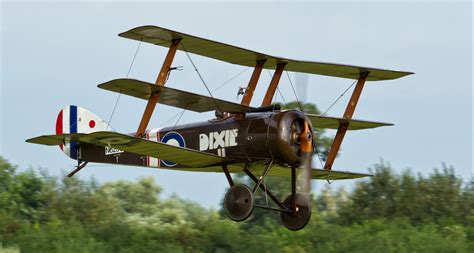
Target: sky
54,54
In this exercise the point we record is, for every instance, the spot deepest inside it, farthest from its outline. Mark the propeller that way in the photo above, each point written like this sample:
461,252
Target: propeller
300,154
306,156
301,143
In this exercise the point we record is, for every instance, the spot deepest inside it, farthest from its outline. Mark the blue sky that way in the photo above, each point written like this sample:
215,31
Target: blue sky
54,54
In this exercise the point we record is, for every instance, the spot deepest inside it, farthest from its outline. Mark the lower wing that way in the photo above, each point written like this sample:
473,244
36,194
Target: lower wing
184,156
196,160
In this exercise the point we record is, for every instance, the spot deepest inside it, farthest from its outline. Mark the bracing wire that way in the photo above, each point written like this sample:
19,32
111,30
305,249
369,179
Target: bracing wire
177,121
281,95
278,89
348,88
120,93
113,111
230,79
134,57
294,92
170,119
324,113
200,76
319,158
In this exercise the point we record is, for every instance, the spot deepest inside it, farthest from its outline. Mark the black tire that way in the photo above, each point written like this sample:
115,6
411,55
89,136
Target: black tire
238,202
299,219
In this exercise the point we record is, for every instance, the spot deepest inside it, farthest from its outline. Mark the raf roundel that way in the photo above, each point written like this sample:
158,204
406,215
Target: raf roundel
174,139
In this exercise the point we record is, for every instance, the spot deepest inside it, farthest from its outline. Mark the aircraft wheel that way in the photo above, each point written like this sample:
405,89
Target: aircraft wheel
238,202
296,220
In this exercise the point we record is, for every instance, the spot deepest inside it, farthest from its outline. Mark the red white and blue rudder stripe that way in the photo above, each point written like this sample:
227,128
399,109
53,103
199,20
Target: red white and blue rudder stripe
74,119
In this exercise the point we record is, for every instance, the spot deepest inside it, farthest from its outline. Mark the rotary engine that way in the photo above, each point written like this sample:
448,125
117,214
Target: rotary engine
279,136
285,133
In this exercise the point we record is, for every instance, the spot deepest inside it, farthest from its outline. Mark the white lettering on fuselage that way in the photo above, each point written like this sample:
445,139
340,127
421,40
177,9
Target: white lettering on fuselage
112,151
215,140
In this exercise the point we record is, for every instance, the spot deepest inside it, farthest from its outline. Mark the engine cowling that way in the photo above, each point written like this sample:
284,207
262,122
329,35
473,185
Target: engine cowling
284,136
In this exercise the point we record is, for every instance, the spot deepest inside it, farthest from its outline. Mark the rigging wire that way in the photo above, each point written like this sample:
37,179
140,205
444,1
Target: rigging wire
177,121
230,79
294,92
134,57
281,95
199,74
319,158
203,82
176,115
348,88
324,113
120,93
278,89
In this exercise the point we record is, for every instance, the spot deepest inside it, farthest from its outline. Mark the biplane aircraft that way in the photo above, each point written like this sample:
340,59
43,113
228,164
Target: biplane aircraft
258,141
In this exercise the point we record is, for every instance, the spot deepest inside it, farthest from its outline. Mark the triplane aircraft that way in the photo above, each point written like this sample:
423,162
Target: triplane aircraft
258,141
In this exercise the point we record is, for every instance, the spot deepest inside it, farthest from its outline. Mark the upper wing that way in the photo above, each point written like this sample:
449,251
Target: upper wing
236,55
183,156
172,97
320,121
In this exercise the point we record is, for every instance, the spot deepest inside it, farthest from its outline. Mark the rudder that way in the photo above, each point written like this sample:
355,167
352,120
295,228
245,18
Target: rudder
74,119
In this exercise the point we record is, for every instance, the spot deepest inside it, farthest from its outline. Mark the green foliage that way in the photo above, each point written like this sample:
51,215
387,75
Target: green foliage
386,213
439,198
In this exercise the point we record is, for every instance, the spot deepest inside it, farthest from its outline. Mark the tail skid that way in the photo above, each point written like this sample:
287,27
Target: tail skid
79,167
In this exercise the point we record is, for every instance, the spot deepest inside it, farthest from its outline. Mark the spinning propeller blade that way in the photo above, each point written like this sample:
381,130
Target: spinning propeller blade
306,156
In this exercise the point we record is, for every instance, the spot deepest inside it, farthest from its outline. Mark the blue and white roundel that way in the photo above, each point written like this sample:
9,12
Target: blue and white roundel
174,139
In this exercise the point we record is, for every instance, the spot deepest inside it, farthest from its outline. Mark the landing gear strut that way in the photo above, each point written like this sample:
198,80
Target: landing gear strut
299,205
295,210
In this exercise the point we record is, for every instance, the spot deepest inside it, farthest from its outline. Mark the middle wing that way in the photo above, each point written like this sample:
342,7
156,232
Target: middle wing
172,97
320,121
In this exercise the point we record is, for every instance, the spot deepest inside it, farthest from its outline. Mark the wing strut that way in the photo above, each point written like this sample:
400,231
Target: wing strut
341,131
160,80
267,100
252,83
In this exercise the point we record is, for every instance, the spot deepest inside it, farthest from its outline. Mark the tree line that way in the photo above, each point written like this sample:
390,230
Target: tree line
388,212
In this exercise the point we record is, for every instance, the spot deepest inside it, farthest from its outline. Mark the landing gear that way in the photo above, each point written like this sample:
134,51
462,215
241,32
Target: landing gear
238,202
79,167
295,211
298,218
